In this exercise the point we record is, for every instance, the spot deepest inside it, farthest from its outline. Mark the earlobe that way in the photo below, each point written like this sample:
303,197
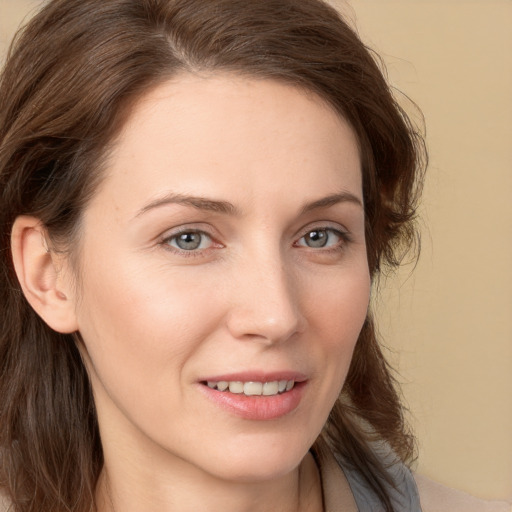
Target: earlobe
40,276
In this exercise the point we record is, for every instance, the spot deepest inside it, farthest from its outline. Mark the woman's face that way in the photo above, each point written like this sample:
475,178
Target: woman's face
225,246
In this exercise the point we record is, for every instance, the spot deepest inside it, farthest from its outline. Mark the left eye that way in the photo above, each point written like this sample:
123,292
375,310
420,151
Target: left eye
320,238
189,241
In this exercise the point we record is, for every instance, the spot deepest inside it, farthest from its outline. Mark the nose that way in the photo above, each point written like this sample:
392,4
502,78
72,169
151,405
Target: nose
266,302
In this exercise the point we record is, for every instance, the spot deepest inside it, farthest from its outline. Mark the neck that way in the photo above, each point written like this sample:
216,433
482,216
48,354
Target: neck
184,491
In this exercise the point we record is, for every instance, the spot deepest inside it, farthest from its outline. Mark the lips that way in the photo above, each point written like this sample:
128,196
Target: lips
256,395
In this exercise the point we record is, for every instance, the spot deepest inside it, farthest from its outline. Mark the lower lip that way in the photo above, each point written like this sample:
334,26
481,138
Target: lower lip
258,408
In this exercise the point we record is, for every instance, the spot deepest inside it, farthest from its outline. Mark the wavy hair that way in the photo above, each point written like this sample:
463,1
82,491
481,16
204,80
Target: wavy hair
71,76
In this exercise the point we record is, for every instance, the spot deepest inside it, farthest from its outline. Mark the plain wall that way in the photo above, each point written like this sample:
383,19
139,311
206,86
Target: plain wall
449,323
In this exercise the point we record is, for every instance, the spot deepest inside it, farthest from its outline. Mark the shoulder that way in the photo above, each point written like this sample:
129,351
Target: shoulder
435,497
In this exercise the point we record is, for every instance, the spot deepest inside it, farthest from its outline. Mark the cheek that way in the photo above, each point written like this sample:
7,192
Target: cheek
133,299
141,331
338,313
140,327
341,310
339,303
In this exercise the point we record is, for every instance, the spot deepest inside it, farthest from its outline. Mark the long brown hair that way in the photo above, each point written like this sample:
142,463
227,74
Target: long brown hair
69,81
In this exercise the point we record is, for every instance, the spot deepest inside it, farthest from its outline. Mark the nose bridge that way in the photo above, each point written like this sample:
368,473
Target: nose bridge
267,303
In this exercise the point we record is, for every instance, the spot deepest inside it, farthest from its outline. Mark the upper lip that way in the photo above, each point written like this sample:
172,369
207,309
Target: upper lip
257,376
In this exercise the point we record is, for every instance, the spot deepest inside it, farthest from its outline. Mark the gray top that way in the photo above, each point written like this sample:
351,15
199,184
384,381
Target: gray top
405,497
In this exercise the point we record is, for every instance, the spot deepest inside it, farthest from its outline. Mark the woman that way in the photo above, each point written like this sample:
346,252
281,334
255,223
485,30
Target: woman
196,198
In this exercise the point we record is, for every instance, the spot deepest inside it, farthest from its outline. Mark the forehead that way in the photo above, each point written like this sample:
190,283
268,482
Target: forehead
226,133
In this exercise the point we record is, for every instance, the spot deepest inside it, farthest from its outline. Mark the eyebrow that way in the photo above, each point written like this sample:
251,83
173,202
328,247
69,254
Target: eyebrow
201,203
332,200
227,208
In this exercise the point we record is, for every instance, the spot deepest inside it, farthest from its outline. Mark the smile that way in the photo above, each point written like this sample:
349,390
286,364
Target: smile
271,388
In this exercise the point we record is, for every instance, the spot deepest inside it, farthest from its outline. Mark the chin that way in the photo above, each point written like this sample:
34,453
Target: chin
256,460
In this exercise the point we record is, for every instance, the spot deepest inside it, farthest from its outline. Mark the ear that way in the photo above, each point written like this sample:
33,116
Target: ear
40,274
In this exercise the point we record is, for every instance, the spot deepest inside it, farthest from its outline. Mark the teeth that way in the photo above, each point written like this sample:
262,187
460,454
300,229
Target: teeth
236,387
253,388
270,388
222,385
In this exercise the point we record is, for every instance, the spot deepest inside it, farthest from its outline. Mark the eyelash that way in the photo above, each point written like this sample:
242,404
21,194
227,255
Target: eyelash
344,239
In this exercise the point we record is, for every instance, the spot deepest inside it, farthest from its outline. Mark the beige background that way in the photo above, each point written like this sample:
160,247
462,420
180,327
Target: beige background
449,324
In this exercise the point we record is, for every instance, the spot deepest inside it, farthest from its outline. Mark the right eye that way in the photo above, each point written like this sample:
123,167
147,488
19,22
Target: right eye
189,241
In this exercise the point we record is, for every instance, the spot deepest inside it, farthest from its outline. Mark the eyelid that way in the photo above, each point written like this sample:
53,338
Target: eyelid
193,227
327,226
